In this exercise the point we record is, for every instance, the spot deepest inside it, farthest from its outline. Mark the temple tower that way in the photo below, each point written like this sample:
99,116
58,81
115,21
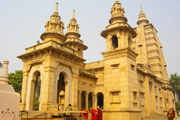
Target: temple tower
148,43
120,76
51,68
54,28
72,36
151,60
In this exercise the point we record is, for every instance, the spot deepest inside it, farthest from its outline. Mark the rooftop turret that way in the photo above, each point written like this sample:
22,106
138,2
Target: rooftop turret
73,35
117,13
142,17
54,28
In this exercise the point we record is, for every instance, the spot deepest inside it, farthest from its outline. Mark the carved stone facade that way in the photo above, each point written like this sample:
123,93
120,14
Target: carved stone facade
130,83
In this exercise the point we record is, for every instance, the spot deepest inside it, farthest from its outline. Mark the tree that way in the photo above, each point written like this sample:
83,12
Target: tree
175,83
15,79
1,65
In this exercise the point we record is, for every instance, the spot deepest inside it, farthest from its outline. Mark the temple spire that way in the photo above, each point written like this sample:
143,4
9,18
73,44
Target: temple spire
141,9
73,14
54,26
73,26
4,73
73,35
117,13
142,17
56,8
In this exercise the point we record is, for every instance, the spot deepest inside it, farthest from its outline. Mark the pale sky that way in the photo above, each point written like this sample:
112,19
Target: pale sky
22,22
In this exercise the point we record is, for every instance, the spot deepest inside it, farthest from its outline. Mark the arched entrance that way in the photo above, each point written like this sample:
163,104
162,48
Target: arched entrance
61,91
100,100
90,100
83,99
37,86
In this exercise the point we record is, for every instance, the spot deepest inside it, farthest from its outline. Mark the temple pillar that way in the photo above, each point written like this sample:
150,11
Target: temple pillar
24,87
74,96
80,99
87,100
48,85
95,100
147,94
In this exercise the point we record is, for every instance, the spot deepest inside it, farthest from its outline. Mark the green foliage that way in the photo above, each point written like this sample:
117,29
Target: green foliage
1,65
15,79
175,82
178,106
36,103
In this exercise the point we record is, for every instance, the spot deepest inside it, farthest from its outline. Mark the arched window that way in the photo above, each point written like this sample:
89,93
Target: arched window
83,100
37,86
114,41
100,100
61,89
90,100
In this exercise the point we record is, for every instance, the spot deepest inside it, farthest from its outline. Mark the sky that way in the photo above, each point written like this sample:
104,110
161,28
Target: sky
22,22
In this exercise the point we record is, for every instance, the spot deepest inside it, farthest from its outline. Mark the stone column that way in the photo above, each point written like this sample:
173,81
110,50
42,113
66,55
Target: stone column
48,84
119,42
24,89
122,40
66,94
74,91
108,43
147,94
80,99
153,98
126,40
24,86
163,99
95,100
86,101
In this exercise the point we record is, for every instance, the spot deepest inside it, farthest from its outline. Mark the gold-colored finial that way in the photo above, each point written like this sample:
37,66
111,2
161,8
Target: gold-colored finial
141,7
73,13
56,9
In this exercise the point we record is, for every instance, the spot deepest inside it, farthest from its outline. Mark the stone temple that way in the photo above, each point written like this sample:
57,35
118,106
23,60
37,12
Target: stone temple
130,82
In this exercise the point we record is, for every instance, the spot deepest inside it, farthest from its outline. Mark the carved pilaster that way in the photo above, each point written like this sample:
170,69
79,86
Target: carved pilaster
74,97
24,87
48,84
147,95
87,104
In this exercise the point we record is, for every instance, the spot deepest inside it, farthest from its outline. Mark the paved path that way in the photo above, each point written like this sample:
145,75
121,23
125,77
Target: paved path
178,118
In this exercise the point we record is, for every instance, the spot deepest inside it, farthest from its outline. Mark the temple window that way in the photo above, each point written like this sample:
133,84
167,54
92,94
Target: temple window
114,41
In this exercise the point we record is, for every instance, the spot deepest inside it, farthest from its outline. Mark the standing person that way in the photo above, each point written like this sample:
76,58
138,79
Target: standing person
84,115
171,114
68,108
99,113
94,114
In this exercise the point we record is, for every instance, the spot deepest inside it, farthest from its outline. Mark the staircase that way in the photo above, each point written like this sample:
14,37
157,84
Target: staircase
155,116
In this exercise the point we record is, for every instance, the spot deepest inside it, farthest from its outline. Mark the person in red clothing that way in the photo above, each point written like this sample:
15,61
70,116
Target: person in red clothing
99,113
84,115
81,114
171,114
94,114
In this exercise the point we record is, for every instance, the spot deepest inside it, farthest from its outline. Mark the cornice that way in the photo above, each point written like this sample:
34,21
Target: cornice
52,49
118,26
118,53
88,74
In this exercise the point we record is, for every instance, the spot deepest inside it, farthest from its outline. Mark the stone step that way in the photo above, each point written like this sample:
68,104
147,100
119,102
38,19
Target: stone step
155,116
